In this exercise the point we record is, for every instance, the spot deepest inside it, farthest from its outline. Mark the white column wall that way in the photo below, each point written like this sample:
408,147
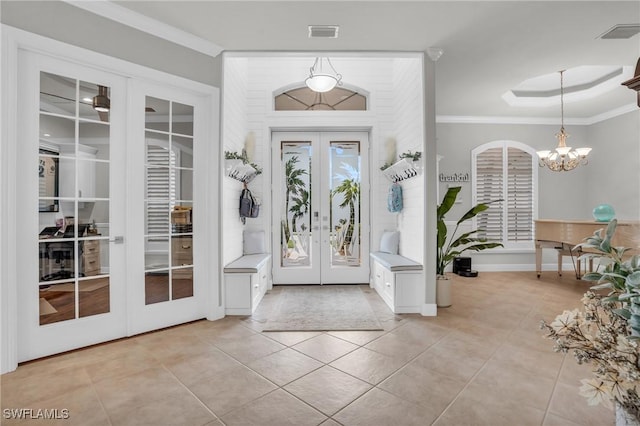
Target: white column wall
408,124
234,132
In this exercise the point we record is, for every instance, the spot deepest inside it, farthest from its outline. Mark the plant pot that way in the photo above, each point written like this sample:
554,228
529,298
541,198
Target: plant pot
443,292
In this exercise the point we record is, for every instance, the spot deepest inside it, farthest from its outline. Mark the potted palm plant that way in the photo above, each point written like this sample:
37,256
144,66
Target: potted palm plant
452,247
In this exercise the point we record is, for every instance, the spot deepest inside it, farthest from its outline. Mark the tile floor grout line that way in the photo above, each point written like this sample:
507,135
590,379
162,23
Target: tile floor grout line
215,416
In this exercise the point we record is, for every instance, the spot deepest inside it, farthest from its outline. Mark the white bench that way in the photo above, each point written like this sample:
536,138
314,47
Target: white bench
246,280
398,281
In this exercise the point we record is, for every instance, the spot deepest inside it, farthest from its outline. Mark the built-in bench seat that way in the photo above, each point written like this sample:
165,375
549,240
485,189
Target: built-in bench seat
395,262
246,281
398,281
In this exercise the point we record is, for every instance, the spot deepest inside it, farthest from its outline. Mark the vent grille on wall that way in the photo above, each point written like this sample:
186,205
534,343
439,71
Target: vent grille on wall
621,31
323,31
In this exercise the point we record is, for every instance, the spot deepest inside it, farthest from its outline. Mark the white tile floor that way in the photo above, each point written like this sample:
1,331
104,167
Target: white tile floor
482,361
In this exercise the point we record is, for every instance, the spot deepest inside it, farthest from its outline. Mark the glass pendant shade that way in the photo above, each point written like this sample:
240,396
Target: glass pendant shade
322,78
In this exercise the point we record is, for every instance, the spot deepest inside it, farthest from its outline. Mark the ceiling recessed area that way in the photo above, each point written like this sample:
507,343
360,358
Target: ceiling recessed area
580,83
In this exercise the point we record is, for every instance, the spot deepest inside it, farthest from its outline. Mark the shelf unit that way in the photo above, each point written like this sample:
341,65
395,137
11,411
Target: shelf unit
237,170
402,170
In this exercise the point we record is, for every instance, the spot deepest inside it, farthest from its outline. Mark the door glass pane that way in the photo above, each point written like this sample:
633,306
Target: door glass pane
95,101
295,223
344,184
168,201
74,170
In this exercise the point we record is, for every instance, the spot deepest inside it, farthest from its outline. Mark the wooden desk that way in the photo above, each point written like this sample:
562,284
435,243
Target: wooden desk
561,234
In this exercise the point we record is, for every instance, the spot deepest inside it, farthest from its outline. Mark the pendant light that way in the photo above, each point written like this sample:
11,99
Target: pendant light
322,78
563,158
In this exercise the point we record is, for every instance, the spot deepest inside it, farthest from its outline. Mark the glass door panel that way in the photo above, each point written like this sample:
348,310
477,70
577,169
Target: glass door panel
168,200
73,200
295,220
344,190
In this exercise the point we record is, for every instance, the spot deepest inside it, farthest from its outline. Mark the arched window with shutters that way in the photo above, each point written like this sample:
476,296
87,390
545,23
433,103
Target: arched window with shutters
506,170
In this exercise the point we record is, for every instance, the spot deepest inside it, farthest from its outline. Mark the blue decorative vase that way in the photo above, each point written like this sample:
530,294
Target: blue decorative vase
603,213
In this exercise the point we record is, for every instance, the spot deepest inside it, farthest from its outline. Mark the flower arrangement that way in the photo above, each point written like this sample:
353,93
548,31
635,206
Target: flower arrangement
606,332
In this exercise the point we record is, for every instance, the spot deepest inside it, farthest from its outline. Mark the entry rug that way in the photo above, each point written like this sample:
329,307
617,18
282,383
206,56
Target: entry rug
322,308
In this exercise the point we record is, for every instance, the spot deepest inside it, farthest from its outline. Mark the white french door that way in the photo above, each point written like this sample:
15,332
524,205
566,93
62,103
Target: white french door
72,279
114,239
321,207
166,206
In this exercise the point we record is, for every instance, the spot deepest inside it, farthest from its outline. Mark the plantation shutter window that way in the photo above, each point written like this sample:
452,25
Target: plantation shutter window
161,190
505,170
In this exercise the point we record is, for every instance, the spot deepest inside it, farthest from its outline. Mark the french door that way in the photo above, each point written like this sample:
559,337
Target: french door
114,231
71,290
320,207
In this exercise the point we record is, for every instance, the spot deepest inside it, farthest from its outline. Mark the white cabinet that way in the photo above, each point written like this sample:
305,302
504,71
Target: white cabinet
401,289
246,281
86,166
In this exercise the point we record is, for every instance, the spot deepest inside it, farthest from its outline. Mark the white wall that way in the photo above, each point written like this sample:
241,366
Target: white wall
561,195
64,22
408,126
234,132
614,167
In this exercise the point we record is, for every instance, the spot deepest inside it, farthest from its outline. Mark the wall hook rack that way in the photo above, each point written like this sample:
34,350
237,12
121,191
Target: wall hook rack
402,170
244,173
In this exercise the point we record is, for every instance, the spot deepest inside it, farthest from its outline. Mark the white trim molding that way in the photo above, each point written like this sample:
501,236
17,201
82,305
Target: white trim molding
588,121
128,17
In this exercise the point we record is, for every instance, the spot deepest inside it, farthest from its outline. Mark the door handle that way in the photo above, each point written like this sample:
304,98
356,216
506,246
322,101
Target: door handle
118,240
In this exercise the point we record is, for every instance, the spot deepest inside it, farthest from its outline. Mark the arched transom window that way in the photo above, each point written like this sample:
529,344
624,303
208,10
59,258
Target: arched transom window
305,99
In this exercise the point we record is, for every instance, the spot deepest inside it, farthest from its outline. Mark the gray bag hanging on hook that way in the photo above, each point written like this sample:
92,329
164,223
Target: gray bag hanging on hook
248,205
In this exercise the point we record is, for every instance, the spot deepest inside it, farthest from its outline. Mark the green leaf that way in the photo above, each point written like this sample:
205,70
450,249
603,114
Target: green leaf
442,233
633,280
448,201
602,286
592,276
624,313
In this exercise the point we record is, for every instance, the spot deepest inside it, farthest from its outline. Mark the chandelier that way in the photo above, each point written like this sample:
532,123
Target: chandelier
322,78
563,158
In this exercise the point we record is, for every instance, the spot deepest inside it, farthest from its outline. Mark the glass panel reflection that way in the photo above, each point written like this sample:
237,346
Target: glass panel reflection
93,296
95,135
182,119
48,181
344,169
157,114
295,223
57,94
156,286
57,302
182,283
156,255
95,101
58,132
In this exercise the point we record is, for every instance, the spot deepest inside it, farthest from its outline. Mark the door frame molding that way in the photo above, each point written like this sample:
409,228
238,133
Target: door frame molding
13,40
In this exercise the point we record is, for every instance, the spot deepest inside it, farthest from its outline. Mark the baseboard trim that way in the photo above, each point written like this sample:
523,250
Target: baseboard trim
429,310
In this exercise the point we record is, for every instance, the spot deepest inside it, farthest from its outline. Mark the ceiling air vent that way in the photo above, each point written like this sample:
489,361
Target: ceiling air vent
323,31
621,31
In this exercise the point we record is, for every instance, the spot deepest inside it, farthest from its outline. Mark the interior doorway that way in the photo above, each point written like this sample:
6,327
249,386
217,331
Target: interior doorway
320,219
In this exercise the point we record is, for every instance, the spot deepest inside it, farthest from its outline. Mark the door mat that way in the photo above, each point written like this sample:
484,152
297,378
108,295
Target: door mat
322,308
46,308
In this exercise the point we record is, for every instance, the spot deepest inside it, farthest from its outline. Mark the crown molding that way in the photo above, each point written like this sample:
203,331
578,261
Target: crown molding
132,19
473,119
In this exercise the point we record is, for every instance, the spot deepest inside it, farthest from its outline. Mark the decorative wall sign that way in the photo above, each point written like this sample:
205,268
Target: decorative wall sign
455,177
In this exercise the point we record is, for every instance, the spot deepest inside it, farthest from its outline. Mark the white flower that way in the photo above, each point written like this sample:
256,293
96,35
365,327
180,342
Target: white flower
565,321
596,391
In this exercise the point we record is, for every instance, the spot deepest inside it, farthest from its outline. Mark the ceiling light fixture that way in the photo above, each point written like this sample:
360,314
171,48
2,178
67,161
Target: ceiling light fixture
322,78
101,101
563,159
